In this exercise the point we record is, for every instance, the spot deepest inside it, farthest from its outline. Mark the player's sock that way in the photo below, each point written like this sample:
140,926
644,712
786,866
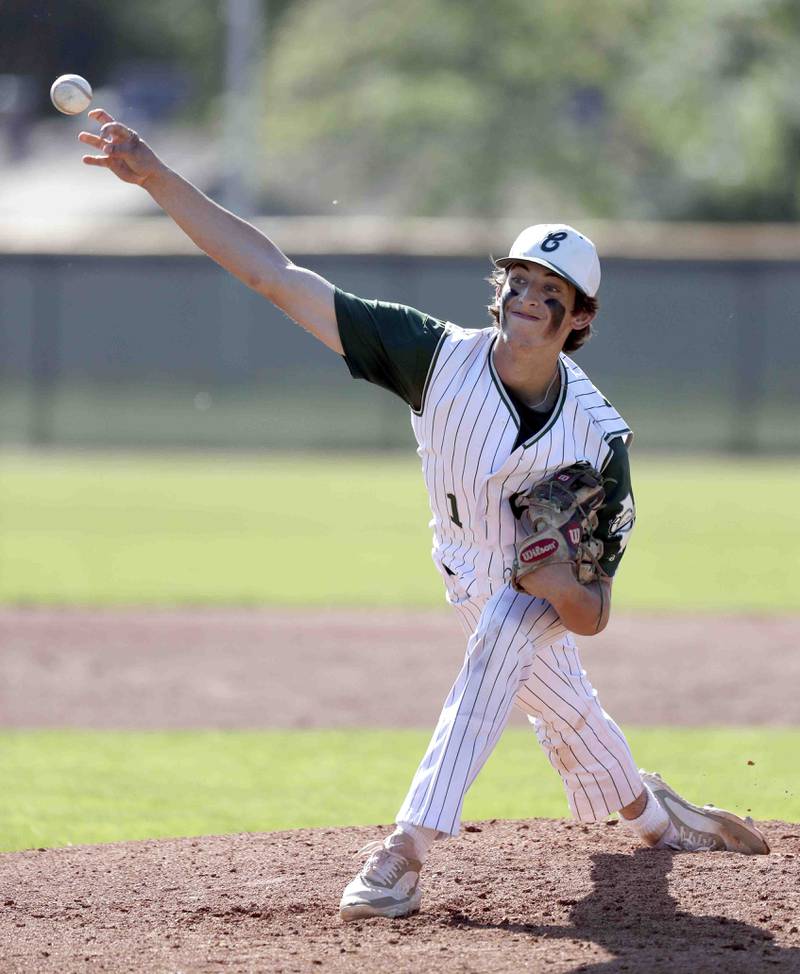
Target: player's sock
653,826
420,835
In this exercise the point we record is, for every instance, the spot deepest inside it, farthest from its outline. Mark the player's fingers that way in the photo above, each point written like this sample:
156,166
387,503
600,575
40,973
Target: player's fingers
90,139
96,161
100,115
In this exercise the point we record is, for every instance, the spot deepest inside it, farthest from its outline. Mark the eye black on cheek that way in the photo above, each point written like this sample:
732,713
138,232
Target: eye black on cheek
510,293
557,310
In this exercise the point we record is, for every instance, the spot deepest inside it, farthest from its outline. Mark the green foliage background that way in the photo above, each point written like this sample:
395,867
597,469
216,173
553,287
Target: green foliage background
617,108
626,109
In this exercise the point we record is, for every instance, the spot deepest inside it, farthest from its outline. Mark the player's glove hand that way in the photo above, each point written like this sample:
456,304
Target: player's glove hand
560,517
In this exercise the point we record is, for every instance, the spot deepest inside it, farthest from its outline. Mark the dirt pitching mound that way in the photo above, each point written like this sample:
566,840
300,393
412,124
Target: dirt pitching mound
505,896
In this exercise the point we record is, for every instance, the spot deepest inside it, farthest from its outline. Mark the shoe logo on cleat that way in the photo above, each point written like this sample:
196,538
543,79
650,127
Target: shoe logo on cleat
695,842
698,832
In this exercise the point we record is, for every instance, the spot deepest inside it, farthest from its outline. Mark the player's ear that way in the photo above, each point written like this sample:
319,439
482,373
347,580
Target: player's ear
581,328
582,319
577,333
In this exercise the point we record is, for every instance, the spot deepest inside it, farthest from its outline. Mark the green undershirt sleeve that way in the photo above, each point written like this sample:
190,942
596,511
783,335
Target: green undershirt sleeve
390,345
618,515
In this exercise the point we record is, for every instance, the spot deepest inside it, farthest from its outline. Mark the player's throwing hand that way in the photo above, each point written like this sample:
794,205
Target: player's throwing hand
124,153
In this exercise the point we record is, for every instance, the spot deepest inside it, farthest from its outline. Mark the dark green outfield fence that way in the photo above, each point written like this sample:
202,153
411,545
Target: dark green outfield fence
155,351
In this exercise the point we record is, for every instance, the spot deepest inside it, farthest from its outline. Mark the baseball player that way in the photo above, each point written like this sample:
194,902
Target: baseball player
495,411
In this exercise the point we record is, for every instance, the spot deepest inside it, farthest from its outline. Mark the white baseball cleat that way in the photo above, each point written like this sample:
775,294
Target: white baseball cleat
706,829
388,885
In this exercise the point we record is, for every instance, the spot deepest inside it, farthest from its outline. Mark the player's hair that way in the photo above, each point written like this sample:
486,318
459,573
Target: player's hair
583,303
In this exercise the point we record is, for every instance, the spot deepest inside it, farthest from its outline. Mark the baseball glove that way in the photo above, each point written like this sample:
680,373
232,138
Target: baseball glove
560,514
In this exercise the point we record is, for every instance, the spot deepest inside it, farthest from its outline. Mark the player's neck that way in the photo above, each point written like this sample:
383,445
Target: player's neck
531,375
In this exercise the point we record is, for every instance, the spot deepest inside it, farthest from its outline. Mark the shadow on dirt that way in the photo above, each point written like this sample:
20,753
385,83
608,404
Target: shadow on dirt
631,914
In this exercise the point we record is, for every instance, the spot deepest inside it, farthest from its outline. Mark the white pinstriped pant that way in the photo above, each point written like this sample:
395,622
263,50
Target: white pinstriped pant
518,652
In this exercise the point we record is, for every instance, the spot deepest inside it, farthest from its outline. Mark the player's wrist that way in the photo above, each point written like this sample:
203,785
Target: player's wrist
157,179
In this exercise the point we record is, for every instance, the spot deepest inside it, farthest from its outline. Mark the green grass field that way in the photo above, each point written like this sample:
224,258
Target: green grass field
156,530
62,787
712,534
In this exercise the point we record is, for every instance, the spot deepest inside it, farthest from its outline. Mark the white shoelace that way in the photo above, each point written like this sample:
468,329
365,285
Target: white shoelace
383,866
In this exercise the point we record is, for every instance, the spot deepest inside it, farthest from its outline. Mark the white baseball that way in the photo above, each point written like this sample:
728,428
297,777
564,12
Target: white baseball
71,94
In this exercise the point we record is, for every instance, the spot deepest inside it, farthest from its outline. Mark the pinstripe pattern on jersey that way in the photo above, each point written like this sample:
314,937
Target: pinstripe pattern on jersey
466,433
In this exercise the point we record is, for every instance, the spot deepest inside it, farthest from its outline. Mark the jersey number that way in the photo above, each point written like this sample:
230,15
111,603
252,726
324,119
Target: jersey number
454,510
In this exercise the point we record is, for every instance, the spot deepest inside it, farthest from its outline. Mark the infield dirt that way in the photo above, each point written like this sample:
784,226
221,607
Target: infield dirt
504,896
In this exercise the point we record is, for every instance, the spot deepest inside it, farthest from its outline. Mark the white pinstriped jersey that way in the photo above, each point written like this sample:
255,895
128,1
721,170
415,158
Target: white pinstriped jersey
466,430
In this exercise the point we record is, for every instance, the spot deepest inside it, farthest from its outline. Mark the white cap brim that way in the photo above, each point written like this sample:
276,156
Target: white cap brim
508,261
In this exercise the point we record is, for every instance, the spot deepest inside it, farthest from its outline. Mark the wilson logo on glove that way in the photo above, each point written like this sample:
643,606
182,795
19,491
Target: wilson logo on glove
560,512
538,550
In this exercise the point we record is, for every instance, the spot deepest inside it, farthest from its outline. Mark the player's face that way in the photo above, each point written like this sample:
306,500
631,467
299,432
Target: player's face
536,305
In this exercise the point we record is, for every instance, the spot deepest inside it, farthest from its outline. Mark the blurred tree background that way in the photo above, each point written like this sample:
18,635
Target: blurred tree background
628,109
615,108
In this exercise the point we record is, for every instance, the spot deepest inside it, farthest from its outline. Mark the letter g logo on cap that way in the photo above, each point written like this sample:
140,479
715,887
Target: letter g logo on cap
552,241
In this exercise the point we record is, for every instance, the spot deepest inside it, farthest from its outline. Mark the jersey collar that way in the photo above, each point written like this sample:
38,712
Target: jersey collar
559,404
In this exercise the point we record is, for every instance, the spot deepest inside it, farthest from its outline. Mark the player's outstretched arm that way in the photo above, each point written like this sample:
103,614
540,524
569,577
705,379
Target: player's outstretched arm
232,242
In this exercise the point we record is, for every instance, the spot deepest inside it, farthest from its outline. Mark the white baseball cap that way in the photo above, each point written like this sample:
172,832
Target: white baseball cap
561,248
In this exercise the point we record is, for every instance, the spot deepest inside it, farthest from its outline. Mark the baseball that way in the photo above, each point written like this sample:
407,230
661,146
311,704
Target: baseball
71,94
